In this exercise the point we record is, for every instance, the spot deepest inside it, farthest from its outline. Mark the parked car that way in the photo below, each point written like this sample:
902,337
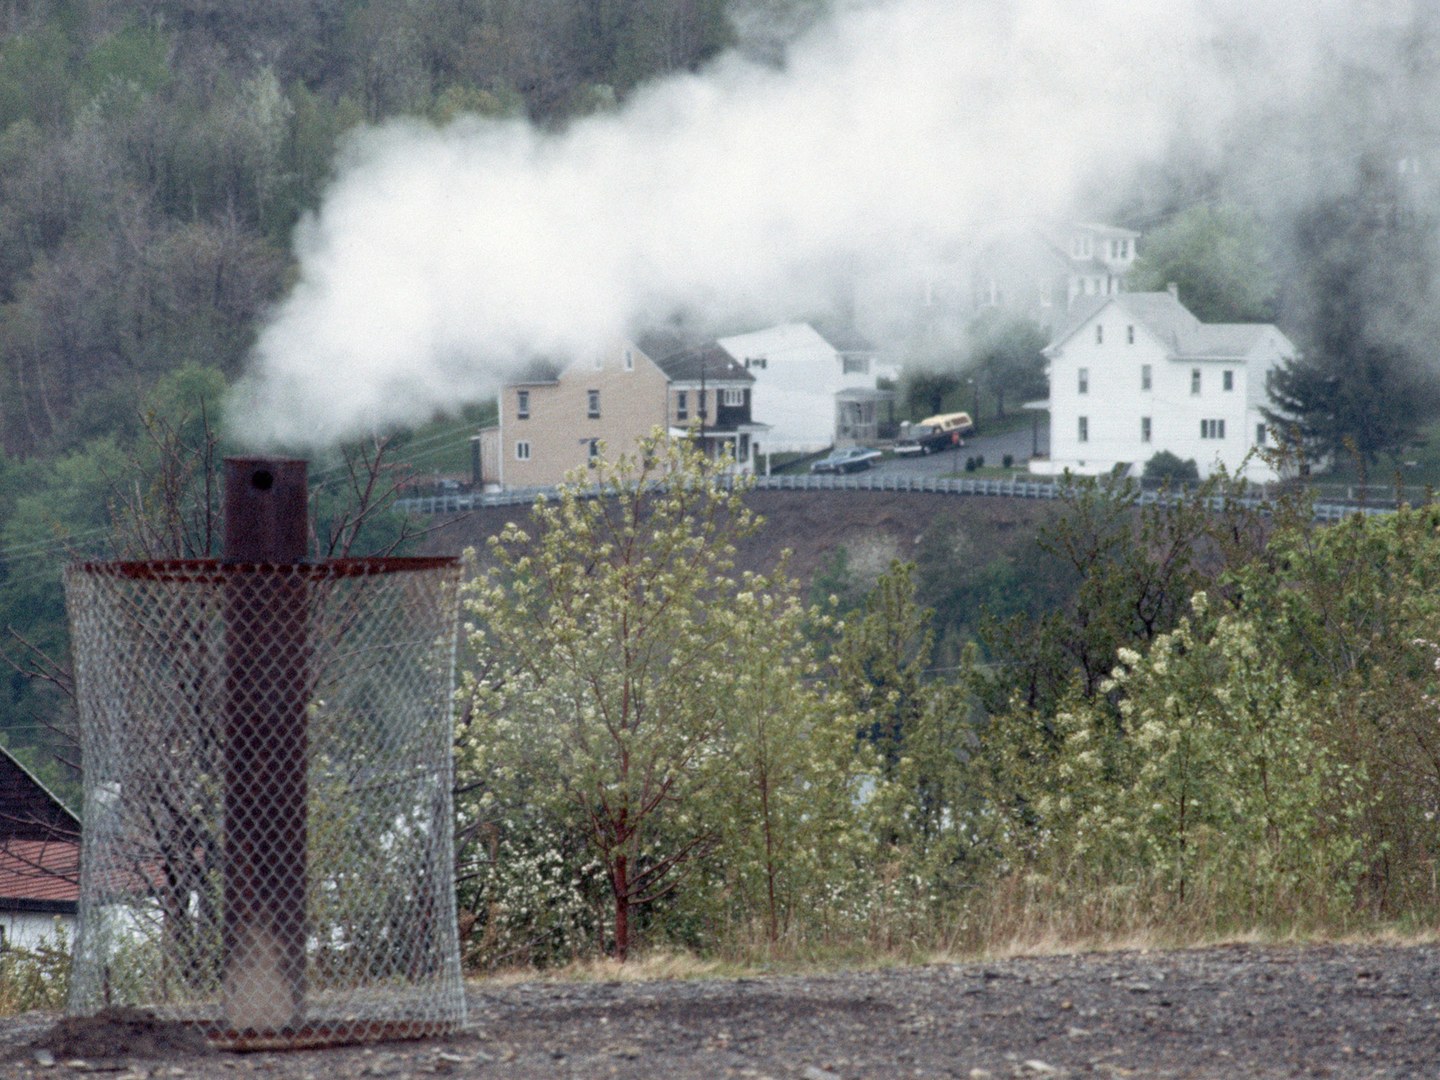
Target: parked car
850,459
934,433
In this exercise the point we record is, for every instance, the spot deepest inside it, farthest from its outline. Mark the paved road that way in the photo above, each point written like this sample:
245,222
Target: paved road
1018,443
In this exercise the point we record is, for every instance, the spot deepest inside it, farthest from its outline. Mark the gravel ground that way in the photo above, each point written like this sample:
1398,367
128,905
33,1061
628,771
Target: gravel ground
1236,1011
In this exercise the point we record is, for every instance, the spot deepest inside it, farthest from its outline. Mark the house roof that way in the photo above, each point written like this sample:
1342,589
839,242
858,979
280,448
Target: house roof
1106,230
1225,340
774,342
1089,266
687,358
536,372
28,809
662,343
1162,314
844,338
709,364
864,393
39,872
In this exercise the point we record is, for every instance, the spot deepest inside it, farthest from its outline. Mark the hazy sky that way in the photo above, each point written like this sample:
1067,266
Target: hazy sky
442,258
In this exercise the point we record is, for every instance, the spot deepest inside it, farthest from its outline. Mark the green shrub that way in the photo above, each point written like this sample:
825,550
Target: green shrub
1166,467
37,978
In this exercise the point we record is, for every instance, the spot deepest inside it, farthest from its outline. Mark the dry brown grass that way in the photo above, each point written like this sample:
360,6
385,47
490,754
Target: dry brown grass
1010,918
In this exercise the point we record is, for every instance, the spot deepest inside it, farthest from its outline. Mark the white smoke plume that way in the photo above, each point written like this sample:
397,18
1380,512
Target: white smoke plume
442,259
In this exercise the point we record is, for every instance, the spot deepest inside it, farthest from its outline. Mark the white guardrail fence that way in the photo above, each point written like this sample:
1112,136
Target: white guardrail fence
458,502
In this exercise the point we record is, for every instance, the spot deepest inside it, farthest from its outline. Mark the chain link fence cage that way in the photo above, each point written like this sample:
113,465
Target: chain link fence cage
267,836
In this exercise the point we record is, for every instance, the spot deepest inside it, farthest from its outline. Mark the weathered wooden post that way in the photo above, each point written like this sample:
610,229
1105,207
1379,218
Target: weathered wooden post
267,688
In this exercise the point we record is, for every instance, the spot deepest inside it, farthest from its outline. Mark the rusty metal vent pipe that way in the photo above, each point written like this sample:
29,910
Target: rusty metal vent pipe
266,843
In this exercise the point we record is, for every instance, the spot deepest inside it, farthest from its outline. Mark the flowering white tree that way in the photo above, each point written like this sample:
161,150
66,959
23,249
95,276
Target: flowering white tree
1222,773
612,651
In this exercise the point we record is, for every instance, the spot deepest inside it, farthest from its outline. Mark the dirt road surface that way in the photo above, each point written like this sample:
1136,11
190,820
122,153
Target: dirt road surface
1235,1011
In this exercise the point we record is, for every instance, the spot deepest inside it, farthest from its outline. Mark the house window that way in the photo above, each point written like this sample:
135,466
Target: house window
629,359
1099,334
592,408
1195,380
733,398
1084,429
1145,371
1259,434
1212,429
682,405
1144,429
744,451
755,362
1227,380
594,452
1124,249
856,365
522,451
522,404
1084,380
1130,335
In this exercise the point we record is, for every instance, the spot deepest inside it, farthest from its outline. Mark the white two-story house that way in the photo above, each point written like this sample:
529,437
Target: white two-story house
1133,374
813,392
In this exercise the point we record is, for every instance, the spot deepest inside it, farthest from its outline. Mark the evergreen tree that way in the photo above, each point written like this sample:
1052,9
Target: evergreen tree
1365,383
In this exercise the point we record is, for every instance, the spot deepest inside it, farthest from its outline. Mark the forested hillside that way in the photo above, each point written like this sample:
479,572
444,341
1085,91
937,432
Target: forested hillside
154,158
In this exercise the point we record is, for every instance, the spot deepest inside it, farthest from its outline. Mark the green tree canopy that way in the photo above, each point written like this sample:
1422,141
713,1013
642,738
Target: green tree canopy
1005,354
1219,259
925,391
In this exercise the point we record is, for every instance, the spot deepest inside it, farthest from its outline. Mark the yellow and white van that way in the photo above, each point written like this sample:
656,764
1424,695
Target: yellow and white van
934,433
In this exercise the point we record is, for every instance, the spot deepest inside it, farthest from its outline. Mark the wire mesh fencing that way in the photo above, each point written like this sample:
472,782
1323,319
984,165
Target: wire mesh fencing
267,835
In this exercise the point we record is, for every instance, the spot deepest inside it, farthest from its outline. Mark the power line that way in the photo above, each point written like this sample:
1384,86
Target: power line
50,553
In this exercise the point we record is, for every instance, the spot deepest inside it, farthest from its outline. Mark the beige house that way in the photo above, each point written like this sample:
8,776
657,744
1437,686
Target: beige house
558,419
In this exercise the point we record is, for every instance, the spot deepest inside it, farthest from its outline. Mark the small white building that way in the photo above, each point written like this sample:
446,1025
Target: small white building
39,858
1133,374
39,891
808,388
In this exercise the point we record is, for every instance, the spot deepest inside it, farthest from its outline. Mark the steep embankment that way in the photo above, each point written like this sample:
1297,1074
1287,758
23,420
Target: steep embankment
873,527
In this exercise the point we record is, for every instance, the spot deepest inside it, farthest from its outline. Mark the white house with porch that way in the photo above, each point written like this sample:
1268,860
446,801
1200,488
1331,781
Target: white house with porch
813,392
1132,374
